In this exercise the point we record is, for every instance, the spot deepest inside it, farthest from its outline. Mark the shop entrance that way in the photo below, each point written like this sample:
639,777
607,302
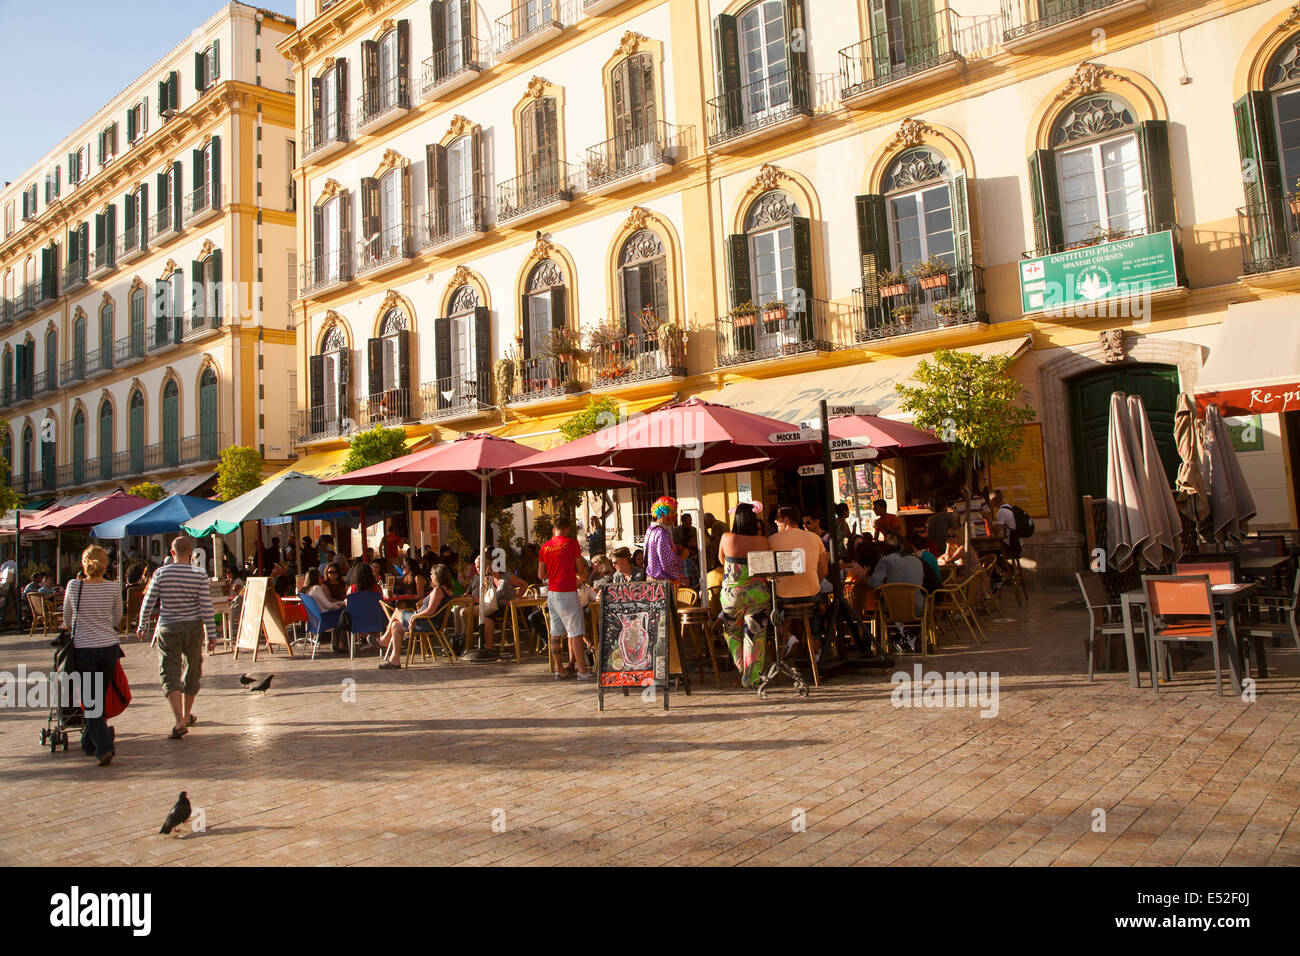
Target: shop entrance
1157,385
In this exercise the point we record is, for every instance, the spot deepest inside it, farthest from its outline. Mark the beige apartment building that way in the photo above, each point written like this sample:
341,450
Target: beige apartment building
508,208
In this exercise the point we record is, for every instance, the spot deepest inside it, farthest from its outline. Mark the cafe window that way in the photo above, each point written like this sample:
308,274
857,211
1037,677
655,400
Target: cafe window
654,485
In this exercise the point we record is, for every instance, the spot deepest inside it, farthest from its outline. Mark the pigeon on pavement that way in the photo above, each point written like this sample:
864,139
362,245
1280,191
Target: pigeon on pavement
179,813
263,686
245,680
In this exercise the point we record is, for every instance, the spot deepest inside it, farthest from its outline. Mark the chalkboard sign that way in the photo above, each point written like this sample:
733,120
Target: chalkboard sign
637,627
261,612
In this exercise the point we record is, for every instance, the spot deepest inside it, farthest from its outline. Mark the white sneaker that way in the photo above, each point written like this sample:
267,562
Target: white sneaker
585,676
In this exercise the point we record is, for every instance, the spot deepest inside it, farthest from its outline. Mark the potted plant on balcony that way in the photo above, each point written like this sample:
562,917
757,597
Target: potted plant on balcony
947,310
504,370
892,283
742,321
904,313
931,273
774,314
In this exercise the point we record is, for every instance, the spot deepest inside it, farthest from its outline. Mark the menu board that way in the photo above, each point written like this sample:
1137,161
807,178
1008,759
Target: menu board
1023,479
636,627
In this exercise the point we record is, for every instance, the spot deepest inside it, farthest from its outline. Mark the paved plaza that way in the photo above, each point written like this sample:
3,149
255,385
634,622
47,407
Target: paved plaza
499,764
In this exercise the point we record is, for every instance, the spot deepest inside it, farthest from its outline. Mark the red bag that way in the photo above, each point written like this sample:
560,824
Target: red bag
117,694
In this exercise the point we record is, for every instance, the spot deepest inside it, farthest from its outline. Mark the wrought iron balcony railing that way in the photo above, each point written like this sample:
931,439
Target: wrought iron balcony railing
163,222
200,203
911,46
132,242
328,269
455,396
768,334
530,24
1024,18
771,101
389,96
81,367
636,153
328,129
389,407
640,357
919,304
457,220
321,421
103,260
129,349
387,246
1269,237
454,65
544,377
535,190
74,276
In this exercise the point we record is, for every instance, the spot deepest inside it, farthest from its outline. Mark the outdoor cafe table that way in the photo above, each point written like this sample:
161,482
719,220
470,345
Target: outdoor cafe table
1230,596
1266,566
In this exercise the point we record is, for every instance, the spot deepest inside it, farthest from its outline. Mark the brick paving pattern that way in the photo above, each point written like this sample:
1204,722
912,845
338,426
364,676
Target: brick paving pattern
421,765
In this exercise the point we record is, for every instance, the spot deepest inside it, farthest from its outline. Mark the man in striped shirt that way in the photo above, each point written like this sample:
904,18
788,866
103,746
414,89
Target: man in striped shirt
181,595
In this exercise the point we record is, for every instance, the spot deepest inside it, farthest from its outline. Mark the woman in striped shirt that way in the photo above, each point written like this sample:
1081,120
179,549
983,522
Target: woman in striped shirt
92,611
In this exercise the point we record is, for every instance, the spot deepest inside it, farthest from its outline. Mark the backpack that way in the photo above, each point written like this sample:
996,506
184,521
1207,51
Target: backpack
1024,523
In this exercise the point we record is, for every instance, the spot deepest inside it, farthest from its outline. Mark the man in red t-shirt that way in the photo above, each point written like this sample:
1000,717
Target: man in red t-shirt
886,523
561,565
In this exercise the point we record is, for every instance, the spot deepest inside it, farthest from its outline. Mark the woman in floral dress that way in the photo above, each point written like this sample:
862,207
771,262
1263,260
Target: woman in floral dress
746,600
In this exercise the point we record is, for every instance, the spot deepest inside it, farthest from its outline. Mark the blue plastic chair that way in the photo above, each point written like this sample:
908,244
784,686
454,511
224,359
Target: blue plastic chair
367,616
318,621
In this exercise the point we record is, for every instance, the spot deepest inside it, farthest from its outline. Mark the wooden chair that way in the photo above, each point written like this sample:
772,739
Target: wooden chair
430,624
1103,619
1181,611
988,596
697,626
896,604
953,600
799,616
45,613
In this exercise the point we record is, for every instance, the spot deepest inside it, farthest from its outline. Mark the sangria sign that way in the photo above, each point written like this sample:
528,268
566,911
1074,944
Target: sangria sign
1106,278
636,622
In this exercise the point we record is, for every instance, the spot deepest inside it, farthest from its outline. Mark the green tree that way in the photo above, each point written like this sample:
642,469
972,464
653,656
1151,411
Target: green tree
238,472
374,447
972,403
148,489
10,498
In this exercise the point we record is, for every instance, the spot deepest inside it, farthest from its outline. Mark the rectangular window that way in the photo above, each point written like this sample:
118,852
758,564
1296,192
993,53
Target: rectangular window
655,485
291,161
1101,189
9,219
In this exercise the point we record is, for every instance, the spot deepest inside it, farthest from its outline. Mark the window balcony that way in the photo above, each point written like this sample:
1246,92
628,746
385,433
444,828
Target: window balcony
162,336
160,456
129,350
321,421
80,368
327,272
455,224
536,193
529,25
103,261
25,302
132,244
917,51
99,362
644,357
538,379
640,157
1029,24
456,396
388,249
389,407
1269,246
74,276
45,381
201,205
164,225
454,66
593,8
200,327
41,481
325,136
778,103
920,305
6,312
386,102
766,335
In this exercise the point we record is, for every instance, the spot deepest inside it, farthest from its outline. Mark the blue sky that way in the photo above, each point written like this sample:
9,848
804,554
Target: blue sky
64,60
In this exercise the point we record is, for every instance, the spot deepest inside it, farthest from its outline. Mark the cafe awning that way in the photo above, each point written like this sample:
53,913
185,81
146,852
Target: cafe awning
794,398
1255,367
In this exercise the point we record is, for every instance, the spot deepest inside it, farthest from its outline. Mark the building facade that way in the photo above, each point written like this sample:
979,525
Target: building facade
511,207
144,263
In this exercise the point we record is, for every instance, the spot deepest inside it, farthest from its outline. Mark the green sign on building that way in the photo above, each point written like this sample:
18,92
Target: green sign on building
1108,278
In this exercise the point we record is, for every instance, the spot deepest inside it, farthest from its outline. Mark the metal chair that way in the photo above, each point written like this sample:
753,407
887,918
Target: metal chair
1181,611
318,622
1103,619
897,605
367,614
1284,607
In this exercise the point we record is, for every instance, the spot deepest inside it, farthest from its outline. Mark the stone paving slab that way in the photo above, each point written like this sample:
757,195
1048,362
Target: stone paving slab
499,764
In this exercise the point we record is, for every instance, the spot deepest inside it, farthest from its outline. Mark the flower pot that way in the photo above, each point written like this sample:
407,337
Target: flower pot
905,320
934,282
1295,206
745,321
891,291
776,315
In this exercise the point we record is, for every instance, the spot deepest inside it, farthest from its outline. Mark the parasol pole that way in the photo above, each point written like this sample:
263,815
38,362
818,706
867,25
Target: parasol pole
363,532
58,556
410,538
699,532
481,653
217,555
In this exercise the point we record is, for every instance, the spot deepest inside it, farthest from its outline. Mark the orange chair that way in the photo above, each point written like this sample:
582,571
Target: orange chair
1219,572
1181,611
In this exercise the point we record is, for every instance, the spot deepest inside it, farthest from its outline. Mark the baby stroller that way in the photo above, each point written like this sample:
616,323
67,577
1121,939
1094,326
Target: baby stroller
60,719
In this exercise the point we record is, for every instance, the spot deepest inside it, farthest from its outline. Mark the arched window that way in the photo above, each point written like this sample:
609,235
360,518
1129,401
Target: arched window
453,41
919,203
329,95
329,223
7,452
455,199
383,72
78,447
764,59
171,423
48,452
137,334
462,352
545,308
329,384
643,284
29,458
1268,136
383,219
540,152
388,368
633,111
105,439
209,438
105,335
135,438
1099,169
169,310
51,359
79,348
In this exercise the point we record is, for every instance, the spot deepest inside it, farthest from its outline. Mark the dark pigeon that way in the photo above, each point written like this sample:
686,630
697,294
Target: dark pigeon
263,686
245,680
179,813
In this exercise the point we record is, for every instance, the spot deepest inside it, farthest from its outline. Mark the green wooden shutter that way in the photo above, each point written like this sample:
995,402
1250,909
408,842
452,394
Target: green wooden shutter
1157,175
171,424
442,361
199,292
209,440
215,288
137,433
106,440
726,57
375,365
796,41
1049,233
317,114
162,309
137,324
369,78
79,348
200,72
738,270
959,202
216,172
78,448
1261,176
178,306
214,64
483,353
873,252
106,336
176,187
881,62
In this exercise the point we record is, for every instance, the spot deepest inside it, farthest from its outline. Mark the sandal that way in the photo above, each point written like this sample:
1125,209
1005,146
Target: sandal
390,666
177,733
191,721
